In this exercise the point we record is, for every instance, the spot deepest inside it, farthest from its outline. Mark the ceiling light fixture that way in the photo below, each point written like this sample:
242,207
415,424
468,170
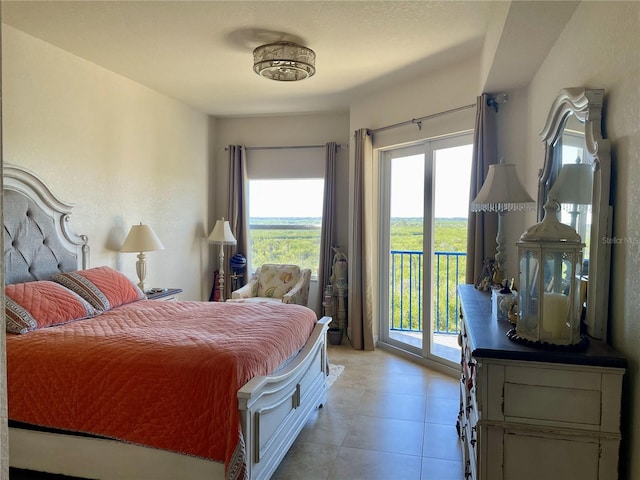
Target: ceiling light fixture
284,61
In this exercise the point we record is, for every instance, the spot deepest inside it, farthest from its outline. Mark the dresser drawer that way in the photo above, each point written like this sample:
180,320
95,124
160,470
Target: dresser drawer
530,455
559,396
471,445
552,404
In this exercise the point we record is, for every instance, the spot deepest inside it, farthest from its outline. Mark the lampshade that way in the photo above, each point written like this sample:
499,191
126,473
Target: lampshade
141,238
284,61
222,233
574,185
502,191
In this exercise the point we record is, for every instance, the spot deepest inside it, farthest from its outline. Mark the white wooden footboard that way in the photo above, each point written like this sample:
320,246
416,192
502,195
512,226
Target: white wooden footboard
273,409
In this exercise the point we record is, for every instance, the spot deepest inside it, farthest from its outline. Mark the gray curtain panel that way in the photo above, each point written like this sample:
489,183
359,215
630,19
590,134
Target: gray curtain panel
237,208
360,272
483,226
328,230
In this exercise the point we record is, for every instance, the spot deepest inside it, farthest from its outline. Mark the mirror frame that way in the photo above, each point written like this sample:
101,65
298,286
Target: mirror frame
586,105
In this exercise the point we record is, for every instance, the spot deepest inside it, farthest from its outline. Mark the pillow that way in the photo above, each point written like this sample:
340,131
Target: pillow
103,287
32,305
276,281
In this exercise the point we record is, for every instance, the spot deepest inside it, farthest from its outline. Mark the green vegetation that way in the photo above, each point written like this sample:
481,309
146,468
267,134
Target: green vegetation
299,247
449,235
302,247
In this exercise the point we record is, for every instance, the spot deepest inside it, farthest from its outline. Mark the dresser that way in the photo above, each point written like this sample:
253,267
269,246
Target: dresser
533,414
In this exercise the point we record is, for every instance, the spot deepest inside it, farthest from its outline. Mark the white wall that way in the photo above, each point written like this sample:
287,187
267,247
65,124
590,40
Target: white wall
599,49
444,89
285,130
120,151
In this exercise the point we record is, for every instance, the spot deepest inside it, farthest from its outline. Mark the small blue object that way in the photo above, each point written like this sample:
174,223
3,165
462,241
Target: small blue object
238,262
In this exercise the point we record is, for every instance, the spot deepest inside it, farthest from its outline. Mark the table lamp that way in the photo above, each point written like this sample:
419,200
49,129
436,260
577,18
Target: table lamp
501,192
221,235
141,239
574,188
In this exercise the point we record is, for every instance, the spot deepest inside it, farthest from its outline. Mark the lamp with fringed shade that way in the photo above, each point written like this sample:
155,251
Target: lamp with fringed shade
501,192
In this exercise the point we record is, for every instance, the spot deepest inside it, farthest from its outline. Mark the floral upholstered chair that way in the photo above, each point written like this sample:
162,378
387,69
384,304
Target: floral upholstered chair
276,283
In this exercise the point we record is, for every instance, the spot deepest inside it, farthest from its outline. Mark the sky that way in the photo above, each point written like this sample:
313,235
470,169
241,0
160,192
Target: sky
452,171
286,198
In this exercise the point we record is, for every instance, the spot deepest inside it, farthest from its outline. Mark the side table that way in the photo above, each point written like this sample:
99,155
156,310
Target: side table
163,294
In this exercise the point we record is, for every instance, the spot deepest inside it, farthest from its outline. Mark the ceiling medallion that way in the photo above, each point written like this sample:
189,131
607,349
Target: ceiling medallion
284,61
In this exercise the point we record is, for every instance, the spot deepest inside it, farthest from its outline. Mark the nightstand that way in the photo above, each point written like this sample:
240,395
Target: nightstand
165,295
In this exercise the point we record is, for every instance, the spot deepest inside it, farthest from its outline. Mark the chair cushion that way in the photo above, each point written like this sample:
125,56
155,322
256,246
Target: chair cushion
255,300
276,280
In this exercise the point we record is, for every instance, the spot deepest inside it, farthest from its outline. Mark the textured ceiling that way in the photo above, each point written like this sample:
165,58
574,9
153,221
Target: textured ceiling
201,52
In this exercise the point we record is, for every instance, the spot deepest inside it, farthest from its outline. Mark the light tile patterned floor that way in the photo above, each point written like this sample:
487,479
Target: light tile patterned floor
385,419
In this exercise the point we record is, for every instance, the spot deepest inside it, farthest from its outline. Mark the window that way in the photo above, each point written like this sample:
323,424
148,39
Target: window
285,217
424,206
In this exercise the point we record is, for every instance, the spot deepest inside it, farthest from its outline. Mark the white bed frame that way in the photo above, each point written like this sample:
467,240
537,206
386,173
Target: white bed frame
273,409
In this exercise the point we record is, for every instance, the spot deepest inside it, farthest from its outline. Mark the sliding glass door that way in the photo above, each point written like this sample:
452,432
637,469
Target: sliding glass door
424,205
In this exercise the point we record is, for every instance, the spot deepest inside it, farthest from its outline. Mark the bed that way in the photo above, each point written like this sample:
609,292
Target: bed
106,384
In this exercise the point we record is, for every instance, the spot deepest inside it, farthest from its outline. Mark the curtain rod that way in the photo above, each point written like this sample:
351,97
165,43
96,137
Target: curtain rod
418,121
287,147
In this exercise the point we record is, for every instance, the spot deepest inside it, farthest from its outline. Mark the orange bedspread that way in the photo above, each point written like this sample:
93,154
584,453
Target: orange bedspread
161,374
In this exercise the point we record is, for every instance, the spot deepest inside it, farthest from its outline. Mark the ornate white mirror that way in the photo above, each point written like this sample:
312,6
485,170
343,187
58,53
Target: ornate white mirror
577,173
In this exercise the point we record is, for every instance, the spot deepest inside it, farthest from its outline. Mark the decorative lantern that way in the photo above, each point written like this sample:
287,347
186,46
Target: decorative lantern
550,256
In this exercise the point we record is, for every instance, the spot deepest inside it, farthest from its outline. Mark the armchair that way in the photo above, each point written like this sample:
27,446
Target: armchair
276,283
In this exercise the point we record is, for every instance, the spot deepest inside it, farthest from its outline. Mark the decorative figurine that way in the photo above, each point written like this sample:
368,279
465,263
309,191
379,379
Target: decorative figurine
340,284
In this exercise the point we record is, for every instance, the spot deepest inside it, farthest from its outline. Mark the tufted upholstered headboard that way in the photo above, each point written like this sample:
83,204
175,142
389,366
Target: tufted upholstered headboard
37,240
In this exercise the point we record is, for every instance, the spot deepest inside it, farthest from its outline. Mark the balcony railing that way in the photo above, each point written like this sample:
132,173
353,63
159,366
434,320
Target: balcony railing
406,290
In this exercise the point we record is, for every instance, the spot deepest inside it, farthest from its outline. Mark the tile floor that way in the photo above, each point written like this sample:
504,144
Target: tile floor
385,419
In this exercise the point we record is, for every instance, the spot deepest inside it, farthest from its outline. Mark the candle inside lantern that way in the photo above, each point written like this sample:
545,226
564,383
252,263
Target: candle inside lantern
554,313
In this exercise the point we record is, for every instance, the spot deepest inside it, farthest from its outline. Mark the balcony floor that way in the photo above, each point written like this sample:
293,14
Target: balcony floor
445,345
